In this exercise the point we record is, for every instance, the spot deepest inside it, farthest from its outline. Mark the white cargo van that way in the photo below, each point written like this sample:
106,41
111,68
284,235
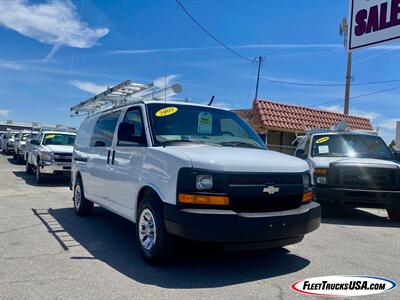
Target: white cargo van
190,171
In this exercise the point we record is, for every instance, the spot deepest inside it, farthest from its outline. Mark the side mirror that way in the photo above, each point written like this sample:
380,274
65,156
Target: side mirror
126,133
34,142
301,154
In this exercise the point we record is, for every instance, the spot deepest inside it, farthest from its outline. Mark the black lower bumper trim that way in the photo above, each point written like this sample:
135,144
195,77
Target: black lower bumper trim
357,197
227,226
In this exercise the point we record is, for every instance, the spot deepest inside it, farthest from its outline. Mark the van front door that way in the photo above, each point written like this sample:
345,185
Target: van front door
127,160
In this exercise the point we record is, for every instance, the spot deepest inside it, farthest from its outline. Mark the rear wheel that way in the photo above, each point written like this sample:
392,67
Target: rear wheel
394,214
83,207
155,244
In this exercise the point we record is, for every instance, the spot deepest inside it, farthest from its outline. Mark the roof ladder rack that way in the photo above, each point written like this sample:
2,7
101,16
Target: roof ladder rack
124,93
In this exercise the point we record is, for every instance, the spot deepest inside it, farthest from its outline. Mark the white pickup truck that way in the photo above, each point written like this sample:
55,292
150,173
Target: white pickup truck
352,168
50,154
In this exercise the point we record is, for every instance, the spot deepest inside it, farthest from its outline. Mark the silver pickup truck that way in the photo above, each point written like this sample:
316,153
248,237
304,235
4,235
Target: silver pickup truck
50,154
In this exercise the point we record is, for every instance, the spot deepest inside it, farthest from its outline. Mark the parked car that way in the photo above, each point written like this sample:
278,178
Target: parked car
190,171
20,145
3,135
50,154
352,168
7,143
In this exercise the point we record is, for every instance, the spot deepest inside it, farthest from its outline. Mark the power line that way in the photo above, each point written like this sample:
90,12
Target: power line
327,84
360,96
212,36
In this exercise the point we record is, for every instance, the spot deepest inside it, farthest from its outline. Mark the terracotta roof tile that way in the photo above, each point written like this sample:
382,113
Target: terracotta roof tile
285,116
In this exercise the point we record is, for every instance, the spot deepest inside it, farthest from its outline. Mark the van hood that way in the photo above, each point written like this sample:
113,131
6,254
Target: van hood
324,162
235,159
58,148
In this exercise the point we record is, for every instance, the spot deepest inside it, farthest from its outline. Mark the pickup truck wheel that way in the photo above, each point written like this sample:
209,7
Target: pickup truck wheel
83,207
28,168
39,176
156,246
394,214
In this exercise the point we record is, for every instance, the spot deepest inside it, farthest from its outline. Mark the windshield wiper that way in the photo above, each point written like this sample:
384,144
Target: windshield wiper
188,141
240,144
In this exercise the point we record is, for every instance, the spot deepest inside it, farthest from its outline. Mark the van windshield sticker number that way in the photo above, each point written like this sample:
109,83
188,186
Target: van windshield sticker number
204,124
322,140
166,111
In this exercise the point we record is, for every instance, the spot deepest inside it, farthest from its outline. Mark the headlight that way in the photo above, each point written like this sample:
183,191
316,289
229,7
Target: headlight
320,175
204,182
46,155
306,181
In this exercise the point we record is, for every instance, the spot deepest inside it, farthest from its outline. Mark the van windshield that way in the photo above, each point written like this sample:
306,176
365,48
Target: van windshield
173,124
346,145
24,136
58,139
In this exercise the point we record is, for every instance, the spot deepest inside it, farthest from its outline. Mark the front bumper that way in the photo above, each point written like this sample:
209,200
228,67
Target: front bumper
272,229
357,197
53,168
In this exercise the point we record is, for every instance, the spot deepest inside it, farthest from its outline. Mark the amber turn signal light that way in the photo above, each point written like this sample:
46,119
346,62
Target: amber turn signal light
320,171
308,196
203,199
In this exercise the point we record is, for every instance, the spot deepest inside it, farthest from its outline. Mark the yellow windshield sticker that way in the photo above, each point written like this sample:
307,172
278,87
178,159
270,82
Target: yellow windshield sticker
166,111
322,140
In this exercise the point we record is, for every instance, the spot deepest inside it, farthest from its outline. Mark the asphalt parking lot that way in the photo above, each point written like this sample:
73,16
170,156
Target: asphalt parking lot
49,253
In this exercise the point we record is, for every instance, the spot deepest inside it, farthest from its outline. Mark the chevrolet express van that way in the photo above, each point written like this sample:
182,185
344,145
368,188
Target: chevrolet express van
181,170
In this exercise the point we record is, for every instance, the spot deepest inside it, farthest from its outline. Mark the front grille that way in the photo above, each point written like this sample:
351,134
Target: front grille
266,203
62,157
363,178
264,179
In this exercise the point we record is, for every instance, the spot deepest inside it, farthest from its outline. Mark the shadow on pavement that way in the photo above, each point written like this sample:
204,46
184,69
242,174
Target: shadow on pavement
13,161
50,181
110,239
353,216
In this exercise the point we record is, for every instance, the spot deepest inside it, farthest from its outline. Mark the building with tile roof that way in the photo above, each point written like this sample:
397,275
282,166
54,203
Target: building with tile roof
279,123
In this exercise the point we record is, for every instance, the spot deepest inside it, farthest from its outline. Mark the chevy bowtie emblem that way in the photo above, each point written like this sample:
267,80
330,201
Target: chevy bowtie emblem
271,190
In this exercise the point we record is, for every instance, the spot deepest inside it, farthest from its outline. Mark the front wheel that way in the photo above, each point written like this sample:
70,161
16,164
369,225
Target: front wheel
155,244
28,167
39,176
83,207
394,214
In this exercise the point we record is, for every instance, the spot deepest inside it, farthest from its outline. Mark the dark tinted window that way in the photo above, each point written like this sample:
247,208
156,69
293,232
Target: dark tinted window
104,130
134,116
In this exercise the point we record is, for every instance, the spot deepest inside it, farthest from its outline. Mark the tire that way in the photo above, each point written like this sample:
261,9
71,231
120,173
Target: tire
156,246
83,207
394,214
39,176
28,168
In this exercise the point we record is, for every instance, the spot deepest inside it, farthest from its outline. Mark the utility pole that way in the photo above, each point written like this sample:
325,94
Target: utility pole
260,61
343,30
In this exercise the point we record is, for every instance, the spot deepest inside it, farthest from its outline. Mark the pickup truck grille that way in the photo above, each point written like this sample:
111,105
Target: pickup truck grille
62,157
363,178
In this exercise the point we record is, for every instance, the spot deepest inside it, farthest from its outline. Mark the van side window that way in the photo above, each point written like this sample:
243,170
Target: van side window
134,117
104,130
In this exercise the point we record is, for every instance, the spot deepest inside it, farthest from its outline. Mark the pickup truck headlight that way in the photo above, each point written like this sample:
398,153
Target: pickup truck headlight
204,182
46,155
320,175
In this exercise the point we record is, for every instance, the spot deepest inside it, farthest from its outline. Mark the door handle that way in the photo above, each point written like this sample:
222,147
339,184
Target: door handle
113,157
108,156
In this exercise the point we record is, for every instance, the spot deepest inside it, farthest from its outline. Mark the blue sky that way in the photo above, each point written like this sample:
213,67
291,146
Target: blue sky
54,54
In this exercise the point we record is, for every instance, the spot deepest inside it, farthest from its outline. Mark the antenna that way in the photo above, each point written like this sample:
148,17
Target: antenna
211,101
